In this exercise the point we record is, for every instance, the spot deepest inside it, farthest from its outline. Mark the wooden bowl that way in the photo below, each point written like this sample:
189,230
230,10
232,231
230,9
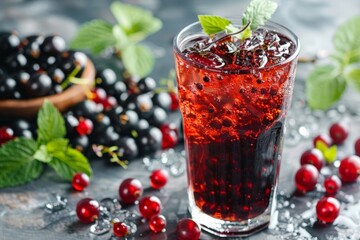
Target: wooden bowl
28,108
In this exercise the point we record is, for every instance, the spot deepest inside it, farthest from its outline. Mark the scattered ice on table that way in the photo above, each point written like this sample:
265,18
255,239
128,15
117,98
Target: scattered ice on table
100,227
56,204
112,205
170,159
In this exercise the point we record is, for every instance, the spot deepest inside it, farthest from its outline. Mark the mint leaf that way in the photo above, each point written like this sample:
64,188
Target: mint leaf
324,86
121,39
321,146
346,37
352,76
17,163
68,162
213,24
258,12
330,154
95,35
57,145
50,123
136,22
42,155
138,60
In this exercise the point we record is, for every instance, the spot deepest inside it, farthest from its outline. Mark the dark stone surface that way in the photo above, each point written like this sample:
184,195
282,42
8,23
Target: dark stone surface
22,214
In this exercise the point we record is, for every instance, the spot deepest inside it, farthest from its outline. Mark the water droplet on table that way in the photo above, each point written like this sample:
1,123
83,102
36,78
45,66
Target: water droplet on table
56,204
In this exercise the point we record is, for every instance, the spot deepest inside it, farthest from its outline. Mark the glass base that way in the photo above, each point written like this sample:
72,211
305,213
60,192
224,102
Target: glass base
223,228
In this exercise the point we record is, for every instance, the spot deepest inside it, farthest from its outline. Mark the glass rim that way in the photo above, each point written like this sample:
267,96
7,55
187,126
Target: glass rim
278,28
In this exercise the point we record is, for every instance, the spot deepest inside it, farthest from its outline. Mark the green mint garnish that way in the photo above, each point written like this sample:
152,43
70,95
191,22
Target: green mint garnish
257,13
329,153
327,83
22,160
133,25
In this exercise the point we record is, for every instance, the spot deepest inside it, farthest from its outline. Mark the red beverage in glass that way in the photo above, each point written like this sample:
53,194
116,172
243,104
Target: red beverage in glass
234,96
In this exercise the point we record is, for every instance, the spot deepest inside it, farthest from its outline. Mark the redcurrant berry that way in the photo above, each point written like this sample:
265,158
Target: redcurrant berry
170,137
84,127
120,229
314,157
80,181
349,169
325,139
130,190
87,210
174,101
357,147
187,229
98,95
159,178
327,209
306,178
6,134
332,184
157,223
109,103
339,132
149,206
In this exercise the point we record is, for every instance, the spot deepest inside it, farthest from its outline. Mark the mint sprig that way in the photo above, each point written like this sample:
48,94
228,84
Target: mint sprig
22,160
327,83
134,24
257,13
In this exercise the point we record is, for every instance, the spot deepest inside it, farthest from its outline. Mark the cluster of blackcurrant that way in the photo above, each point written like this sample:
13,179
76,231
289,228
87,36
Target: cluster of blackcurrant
312,161
36,66
130,115
131,192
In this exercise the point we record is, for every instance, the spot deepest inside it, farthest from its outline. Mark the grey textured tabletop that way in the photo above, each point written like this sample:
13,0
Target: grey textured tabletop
22,214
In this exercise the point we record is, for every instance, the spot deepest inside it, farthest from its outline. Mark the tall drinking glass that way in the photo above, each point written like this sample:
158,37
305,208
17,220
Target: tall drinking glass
234,96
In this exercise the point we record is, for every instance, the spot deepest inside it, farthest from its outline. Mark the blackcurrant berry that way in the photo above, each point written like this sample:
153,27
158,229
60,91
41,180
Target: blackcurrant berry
38,85
158,117
147,84
105,78
162,100
149,140
53,44
127,148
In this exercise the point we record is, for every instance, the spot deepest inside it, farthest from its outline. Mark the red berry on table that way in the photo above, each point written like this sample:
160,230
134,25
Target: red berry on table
84,127
357,147
306,178
349,169
157,223
339,132
159,178
327,209
80,181
314,157
325,139
149,206
130,190
87,210
120,229
187,229
332,184
6,134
